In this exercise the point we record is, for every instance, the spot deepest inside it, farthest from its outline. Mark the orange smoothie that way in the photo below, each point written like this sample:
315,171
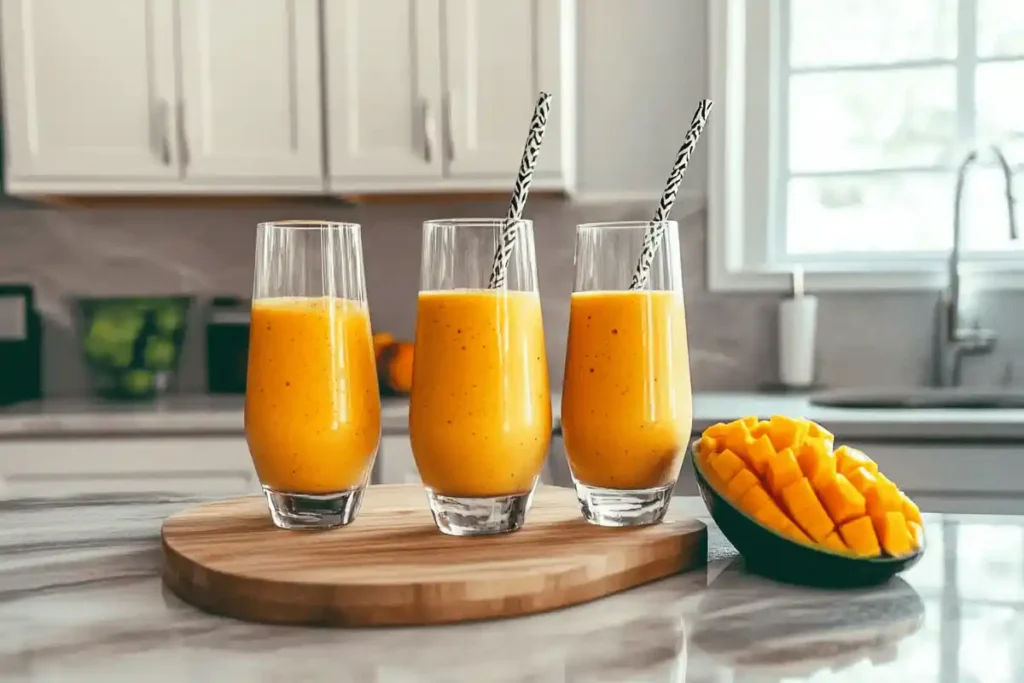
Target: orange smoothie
312,405
480,413
627,409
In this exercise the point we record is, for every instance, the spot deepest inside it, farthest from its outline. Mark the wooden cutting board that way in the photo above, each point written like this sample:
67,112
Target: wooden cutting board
391,566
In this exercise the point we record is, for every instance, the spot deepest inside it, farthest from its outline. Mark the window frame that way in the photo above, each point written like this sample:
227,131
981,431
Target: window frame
745,186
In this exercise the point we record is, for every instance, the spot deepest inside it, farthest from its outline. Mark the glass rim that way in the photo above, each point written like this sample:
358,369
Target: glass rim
307,225
473,222
624,225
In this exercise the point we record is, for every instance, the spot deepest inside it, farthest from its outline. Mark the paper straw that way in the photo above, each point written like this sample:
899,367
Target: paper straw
656,230
509,231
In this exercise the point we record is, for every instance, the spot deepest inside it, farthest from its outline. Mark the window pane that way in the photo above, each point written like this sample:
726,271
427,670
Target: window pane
1000,28
986,224
1001,106
869,213
830,32
869,120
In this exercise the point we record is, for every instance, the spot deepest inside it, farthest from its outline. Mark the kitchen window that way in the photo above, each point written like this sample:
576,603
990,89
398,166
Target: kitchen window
837,136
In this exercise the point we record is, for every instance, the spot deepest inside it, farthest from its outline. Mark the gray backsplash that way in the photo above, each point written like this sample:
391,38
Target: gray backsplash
865,339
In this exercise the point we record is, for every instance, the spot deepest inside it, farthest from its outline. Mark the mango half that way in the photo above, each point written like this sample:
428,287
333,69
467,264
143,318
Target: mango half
785,473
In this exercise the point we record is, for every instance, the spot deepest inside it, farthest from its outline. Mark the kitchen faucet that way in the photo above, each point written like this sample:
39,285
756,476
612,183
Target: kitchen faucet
953,339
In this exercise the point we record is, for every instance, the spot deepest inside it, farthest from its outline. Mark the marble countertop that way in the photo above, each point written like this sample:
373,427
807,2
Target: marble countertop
223,415
81,600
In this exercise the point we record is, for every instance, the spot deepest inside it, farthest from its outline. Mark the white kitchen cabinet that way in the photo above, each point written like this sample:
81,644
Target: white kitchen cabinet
250,93
89,93
383,78
498,57
210,465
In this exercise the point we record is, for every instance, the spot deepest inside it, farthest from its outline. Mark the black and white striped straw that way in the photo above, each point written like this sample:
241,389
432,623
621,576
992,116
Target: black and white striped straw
656,231
509,231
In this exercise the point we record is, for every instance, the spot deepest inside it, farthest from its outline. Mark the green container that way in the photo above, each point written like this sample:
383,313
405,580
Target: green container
132,345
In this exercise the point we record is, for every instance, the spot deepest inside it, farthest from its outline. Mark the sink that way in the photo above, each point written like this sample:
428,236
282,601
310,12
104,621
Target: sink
920,398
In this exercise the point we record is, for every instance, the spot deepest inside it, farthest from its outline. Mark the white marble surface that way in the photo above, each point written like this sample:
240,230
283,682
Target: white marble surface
81,600
223,414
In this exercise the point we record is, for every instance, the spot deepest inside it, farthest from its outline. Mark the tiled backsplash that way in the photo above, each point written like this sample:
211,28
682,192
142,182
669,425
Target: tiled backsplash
865,339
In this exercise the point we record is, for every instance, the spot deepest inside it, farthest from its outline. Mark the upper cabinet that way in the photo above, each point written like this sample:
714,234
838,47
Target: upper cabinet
89,91
281,96
250,93
498,57
383,80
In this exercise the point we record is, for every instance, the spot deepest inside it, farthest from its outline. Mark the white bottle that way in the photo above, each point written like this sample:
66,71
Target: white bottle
798,319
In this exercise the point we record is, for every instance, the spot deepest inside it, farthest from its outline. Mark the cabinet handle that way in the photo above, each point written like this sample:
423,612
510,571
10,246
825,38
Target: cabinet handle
428,131
162,131
449,135
186,155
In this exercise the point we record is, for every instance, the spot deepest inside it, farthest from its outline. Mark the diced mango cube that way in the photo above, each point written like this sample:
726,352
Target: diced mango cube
771,516
738,439
806,510
862,479
834,543
882,499
859,535
815,459
755,499
740,484
917,532
817,431
760,429
842,501
717,430
707,444
796,533
850,458
726,465
750,421
786,432
895,535
759,454
910,509
782,471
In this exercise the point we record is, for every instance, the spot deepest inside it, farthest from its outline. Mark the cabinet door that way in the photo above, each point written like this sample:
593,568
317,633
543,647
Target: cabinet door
250,78
89,90
499,56
383,90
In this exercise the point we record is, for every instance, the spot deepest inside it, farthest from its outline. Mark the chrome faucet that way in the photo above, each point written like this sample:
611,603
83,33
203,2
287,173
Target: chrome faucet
954,339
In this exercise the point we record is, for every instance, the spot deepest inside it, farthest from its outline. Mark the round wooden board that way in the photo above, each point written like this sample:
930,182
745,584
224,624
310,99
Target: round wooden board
392,566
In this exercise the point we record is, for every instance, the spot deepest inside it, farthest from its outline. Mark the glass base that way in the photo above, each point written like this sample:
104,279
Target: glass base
479,516
313,511
619,508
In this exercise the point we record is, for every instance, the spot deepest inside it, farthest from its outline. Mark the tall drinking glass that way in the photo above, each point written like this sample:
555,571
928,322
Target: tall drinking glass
312,405
480,412
627,410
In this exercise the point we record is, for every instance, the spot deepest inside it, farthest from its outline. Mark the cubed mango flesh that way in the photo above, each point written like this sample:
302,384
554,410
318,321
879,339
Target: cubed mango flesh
835,543
842,501
726,465
895,536
760,453
740,484
849,458
785,474
782,471
806,510
859,536
787,432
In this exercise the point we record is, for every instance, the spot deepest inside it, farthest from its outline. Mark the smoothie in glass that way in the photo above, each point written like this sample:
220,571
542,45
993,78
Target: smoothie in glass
627,410
480,413
312,413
